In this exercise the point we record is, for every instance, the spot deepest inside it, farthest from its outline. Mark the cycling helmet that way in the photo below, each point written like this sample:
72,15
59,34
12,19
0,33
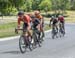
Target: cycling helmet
52,17
20,13
37,12
32,16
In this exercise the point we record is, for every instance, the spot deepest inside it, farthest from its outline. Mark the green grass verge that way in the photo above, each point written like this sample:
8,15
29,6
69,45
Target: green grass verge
46,27
8,29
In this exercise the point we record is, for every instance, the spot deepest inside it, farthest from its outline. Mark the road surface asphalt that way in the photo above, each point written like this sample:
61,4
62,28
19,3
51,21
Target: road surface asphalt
51,48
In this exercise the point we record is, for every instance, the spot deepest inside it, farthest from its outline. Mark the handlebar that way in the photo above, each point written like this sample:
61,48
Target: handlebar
16,30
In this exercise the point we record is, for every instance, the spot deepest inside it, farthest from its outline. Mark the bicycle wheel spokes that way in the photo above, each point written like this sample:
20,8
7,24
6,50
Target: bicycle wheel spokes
35,40
22,45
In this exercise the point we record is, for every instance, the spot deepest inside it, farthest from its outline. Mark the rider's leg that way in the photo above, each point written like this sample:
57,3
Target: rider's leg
63,26
26,32
57,27
42,30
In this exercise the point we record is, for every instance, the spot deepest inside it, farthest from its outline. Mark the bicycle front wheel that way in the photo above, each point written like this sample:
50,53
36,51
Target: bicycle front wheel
22,45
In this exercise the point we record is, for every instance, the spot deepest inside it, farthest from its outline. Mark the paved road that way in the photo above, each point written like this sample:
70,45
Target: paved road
58,48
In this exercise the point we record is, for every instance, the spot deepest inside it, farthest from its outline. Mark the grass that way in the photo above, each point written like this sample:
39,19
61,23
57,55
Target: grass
8,29
71,17
67,20
46,27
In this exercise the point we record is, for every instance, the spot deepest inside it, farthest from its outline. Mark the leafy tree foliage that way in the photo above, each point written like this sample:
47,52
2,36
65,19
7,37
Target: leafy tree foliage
11,6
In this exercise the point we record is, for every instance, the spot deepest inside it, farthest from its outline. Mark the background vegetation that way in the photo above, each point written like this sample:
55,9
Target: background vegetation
9,7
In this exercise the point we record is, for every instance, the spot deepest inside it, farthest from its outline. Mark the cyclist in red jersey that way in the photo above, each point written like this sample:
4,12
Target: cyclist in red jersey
61,20
26,21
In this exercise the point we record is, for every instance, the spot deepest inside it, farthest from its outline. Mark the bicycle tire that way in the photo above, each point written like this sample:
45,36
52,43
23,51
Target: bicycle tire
20,43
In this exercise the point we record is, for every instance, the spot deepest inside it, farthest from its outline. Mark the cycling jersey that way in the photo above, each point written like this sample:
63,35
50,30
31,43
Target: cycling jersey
26,19
54,21
35,22
61,19
39,17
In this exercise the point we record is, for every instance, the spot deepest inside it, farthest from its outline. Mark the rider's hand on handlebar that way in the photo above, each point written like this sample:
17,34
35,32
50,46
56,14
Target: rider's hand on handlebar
16,31
18,27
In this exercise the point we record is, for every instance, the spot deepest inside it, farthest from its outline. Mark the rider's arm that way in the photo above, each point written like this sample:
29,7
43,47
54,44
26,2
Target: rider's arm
19,22
41,19
28,22
50,21
58,19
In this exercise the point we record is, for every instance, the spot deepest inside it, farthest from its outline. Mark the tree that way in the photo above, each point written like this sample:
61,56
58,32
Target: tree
18,4
9,6
45,5
28,4
72,3
60,5
4,6
35,4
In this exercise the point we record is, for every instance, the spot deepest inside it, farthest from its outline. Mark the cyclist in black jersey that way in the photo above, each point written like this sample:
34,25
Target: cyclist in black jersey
54,22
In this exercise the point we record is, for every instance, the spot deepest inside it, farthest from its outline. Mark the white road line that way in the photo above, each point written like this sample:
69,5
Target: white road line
9,38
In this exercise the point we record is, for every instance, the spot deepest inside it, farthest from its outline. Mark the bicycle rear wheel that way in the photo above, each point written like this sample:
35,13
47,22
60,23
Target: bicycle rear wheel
42,36
54,33
61,32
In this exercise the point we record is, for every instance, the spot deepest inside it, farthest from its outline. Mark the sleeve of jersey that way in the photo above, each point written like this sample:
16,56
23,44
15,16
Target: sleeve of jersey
28,20
41,17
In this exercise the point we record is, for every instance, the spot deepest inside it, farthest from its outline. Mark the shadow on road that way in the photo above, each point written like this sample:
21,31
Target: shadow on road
11,52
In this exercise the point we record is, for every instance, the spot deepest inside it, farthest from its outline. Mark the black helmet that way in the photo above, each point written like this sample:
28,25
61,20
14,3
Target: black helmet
32,16
20,13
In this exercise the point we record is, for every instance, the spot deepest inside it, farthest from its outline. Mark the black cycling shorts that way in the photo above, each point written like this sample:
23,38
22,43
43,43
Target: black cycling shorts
25,25
61,21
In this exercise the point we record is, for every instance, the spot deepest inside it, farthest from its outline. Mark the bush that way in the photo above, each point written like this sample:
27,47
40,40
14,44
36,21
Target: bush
50,15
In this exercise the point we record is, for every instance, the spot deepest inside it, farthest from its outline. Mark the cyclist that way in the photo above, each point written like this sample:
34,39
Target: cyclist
35,23
41,19
54,23
36,30
62,21
26,22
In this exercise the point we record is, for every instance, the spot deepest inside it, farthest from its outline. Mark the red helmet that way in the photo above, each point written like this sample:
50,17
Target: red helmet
37,12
